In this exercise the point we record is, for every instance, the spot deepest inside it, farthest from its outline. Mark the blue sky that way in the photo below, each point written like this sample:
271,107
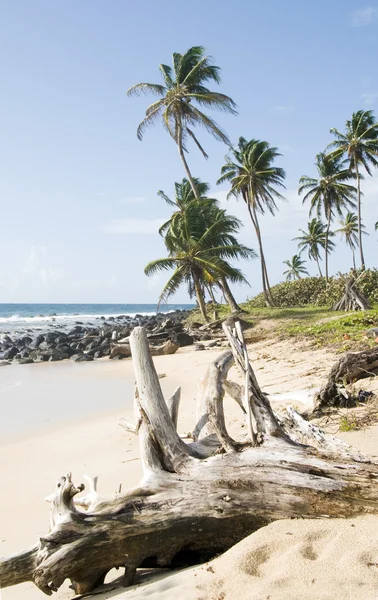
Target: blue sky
79,210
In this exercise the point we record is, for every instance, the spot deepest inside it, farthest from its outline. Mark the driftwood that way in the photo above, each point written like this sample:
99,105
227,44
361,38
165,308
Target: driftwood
351,367
352,299
124,350
198,498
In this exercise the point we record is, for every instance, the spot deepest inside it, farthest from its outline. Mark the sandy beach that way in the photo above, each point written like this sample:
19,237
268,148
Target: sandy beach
64,417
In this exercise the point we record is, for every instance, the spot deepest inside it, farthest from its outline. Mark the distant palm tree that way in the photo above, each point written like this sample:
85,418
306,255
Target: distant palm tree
200,255
296,268
184,87
313,240
349,230
329,194
360,144
255,178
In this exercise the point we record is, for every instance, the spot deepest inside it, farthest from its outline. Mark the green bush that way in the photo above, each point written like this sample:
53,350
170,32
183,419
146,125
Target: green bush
316,291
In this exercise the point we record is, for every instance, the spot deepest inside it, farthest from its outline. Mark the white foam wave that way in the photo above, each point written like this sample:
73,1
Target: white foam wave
17,319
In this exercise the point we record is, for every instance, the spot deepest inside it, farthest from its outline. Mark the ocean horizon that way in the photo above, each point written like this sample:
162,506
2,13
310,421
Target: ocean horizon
15,316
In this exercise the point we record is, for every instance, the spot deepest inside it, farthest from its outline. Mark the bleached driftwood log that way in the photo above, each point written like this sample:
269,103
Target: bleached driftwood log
351,367
352,298
196,498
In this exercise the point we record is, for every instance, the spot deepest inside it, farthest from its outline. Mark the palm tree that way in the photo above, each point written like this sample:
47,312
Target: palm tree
313,240
201,214
183,89
254,177
349,230
198,257
296,268
329,193
360,144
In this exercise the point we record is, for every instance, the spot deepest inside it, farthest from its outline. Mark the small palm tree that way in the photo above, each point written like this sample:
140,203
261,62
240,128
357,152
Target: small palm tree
349,230
314,240
199,255
296,268
184,88
254,177
329,193
360,144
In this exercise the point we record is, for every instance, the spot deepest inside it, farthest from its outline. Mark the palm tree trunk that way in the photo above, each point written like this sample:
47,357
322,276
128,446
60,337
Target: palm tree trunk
211,293
235,308
326,246
354,259
317,262
359,216
200,298
264,273
182,155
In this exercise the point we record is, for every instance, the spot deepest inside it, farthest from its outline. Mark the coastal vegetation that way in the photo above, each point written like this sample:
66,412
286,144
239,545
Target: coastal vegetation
201,237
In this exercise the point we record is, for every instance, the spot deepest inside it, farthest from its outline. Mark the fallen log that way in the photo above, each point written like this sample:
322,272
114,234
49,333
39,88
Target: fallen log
351,367
196,499
124,350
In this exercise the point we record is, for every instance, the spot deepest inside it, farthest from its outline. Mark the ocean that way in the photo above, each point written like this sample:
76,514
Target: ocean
34,317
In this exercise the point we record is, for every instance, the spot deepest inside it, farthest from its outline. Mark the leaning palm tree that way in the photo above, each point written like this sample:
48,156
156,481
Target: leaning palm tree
198,258
203,211
329,194
296,268
360,144
183,91
254,177
349,231
314,240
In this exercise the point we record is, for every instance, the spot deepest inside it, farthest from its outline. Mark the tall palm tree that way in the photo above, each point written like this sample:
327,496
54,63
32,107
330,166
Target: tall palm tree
254,177
314,240
199,257
296,268
183,91
329,194
201,214
360,144
349,230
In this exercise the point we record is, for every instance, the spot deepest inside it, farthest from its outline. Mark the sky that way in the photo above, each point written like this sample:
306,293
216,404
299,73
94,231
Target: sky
78,191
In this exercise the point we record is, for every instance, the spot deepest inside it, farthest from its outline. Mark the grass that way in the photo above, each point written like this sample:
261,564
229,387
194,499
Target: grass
320,325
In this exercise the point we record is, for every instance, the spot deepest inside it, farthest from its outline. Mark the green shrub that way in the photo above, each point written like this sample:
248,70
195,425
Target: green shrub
316,291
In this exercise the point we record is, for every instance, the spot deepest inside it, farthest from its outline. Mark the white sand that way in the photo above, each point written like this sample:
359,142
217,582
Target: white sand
276,564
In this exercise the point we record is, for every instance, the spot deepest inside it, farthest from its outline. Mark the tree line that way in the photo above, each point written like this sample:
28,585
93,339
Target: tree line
200,237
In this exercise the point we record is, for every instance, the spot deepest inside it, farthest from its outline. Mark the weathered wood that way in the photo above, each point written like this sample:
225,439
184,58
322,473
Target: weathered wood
351,367
194,497
352,298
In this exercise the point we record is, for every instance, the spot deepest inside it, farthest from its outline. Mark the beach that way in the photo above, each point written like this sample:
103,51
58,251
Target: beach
64,418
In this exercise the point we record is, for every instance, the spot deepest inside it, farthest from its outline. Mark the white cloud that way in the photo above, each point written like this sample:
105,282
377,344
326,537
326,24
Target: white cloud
132,226
34,271
370,98
363,16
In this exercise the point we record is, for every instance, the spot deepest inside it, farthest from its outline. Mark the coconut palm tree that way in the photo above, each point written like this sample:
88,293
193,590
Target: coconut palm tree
296,268
359,143
201,213
253,176
349,230
314,240
182,93
329,194
198,257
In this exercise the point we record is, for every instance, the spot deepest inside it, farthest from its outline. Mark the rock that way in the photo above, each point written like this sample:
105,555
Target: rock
183,339
167,348
199,347
11,353
4,363
38,340
81,358
55,354
120,350
25,361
